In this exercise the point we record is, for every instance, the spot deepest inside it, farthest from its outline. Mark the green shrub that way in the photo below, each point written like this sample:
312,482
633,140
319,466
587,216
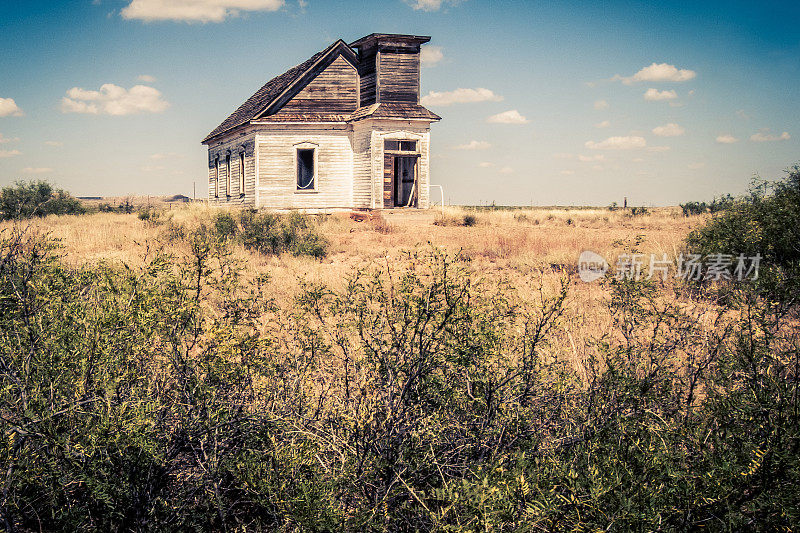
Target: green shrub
694,208
765,224
225,225
126,398
717,204
467,220
271,233
125,207
722,203
766,221
175,397
36,199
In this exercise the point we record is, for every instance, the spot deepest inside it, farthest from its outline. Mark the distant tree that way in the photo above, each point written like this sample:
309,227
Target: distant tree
36,199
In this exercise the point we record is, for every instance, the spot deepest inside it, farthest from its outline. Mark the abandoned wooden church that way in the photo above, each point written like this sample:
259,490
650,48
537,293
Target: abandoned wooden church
343,130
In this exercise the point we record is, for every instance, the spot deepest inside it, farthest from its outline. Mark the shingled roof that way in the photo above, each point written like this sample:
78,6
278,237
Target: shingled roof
393,110
269,92
271,95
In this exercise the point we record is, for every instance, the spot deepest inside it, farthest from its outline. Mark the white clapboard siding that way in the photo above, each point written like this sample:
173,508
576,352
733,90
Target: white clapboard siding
233,145
350,163
277,173
362,170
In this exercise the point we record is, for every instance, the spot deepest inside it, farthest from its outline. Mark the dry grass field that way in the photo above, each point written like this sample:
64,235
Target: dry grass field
533,249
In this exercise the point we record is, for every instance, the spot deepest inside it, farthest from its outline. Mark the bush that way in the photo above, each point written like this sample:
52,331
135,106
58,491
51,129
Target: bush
225,226
175,397
694,208
717,204
766,222
151,216
270,233
467,220
36,199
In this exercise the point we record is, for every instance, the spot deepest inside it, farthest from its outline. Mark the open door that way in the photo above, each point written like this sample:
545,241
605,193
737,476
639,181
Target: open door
405,181
399,181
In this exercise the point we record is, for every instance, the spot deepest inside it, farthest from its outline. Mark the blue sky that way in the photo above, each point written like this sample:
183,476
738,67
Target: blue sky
543,103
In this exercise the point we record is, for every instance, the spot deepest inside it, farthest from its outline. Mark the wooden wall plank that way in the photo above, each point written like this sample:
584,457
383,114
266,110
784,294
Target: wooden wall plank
333,91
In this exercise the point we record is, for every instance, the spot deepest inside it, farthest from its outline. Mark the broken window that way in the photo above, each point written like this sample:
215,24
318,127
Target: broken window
305,169
228,175
400,146
216,177
241,173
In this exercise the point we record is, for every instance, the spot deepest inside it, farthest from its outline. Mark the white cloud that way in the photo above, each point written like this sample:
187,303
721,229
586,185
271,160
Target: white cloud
485,164
742,114
153,168
36,170
146,78
506,170
114,100
431,55
474,145
567,172
655,95
7,139
9,108
54,143
430,5
460,96
562,155
587,158
695,166
9,153
669,130
618,143
659,72
727,139
194,10
600,105
603,124
762,137
508,117
658,148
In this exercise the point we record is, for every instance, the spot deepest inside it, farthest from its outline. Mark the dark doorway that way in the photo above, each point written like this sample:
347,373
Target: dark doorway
405,173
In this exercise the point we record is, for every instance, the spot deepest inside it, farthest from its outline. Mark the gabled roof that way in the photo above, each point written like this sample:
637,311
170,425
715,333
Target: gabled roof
277,86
